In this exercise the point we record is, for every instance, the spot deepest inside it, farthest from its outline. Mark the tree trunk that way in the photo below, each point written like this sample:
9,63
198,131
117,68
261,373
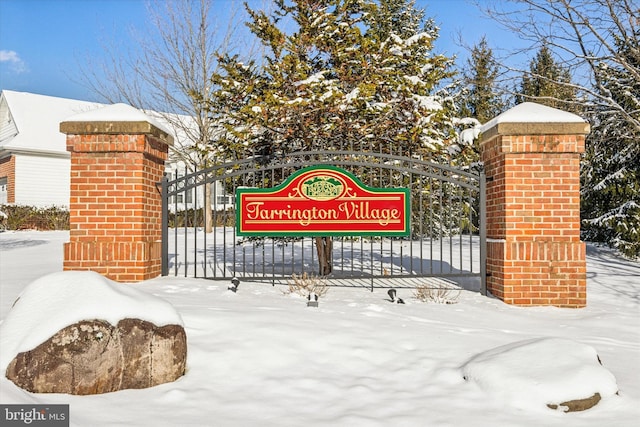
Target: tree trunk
324,246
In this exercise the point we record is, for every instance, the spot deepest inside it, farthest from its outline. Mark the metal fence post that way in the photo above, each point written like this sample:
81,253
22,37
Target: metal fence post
165,225
483,232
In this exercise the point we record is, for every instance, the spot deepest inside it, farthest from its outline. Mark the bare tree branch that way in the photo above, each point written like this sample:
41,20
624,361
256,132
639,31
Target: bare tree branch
585,35
167,73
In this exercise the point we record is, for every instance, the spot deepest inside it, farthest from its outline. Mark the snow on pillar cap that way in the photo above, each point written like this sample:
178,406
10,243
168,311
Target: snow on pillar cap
115,119
530,118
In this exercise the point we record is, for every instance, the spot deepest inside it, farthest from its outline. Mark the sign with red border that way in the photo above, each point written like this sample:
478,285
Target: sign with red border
322,201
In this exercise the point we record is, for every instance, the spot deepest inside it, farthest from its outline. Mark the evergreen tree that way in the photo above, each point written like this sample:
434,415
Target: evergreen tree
482,102
350,72
610,173
399,17
547,83
356,74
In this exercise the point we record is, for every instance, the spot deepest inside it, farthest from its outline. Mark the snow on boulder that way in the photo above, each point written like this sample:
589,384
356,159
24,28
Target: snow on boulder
557,373
78,332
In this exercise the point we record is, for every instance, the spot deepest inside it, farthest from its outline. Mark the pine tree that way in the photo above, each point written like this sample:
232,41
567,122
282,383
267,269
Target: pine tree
351,72
482,102
399,17
610,173
357,74
547,83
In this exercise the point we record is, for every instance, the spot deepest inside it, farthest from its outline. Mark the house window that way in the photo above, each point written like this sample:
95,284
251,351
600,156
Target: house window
182,194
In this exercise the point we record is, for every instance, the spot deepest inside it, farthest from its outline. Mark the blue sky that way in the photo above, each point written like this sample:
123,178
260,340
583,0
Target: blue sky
44,42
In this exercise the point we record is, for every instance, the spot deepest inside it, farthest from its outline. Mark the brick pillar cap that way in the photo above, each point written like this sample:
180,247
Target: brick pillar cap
530,118
115,119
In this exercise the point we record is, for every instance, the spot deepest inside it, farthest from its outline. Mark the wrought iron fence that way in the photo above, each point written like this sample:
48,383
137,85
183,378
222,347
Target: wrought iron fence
447,236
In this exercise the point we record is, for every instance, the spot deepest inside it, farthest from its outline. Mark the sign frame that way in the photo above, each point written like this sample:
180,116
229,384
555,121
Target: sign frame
341,200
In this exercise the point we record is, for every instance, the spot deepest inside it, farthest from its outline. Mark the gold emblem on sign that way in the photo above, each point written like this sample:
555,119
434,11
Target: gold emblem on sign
322,187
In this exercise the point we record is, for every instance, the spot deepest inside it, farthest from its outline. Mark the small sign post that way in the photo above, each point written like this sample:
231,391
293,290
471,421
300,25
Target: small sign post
323,201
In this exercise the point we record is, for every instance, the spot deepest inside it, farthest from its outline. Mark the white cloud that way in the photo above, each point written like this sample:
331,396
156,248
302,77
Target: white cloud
12,57
9,56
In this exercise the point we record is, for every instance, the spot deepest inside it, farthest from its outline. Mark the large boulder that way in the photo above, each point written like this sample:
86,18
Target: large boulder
541,373
106,350
93,356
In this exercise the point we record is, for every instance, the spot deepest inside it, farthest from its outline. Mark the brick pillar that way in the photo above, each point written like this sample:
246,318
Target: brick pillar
8,170
117,157
531,155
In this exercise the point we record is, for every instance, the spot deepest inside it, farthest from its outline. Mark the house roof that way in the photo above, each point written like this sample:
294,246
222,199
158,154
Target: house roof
35,121
37,118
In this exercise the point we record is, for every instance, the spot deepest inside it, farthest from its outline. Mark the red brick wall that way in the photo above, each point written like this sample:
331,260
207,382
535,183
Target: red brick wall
8,169
115,207
534,252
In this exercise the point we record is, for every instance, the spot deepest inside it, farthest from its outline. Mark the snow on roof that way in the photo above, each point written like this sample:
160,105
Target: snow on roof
530,112
37,119
61,299
116,113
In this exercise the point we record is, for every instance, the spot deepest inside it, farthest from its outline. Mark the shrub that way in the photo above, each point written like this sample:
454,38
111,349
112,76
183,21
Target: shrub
306,285
438,294
195,218
21,217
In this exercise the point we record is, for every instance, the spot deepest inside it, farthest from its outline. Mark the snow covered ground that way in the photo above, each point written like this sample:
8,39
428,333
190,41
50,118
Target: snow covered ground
260,357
